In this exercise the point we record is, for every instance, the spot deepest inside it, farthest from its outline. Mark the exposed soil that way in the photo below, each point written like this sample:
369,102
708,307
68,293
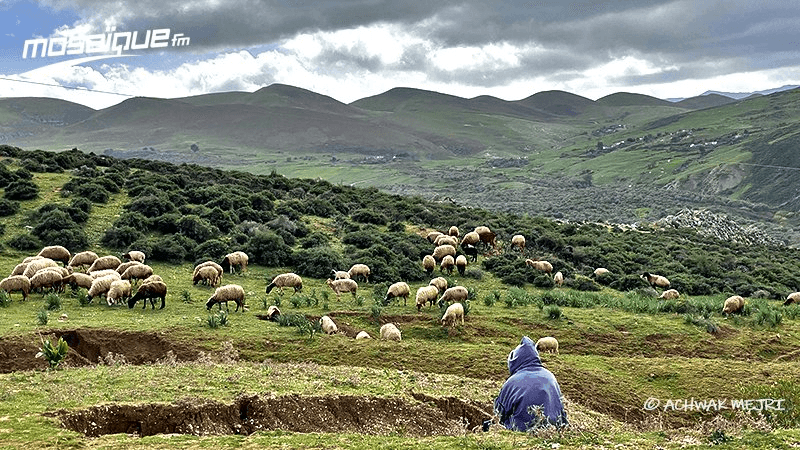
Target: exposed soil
86,346
428,416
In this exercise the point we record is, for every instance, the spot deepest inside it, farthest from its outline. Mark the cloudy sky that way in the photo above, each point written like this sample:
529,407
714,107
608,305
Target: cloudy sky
350,49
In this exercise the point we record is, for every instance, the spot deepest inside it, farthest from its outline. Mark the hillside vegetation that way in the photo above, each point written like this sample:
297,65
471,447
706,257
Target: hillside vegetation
185,377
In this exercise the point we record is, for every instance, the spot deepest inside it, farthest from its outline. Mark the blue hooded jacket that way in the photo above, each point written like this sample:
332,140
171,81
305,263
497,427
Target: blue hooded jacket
530,384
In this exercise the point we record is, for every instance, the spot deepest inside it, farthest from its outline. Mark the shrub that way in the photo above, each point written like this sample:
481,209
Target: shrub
25,242
552,312
21,190
317,262
53,353
93,192
369,216
121,237
269,249
42,317
8,207
52,302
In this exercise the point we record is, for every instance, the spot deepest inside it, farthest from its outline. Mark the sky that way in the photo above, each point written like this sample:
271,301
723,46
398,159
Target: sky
351,49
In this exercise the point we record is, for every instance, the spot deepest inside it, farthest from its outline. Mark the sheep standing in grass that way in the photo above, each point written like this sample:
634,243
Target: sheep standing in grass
669,294
137,272
487,236
442,251
547,344
656,280
225,294
124,266
431,237
207,275
152,278
134,255
452,314
541,266
83,259
273,313
101,286
37,265
440,283
794,297
235,259
46,279
518,241
471,238
328,325
396,290
363,335
283,280
118,292
78,280
453,231
461,264
426,294
454,294
447,264
446,240
390,332
733,304
217,267
558,278
56,253
153,290
343,286
105,273
359,271
19,269
105,262
16,283
428,263
339,274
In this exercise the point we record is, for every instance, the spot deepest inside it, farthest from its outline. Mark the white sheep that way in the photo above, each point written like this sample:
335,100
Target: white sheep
669,294
217,267
518,241
461,264
733,304
273,313
656,280
547,344
558,278
442,251
78,280
16,283
447,264
600,271
37,265
454,294
237,258
225,294
453,231
794,297
363,335
471,238
137,272
328,325
542,266
19,269
446,240
288,279
207,275
431,237
440,283
119,291
101,286
343,286
399,289
339,274
426,294
152,278
56,253
46,279
83,259
428,263
105,262
452,314
124,266
104,273
390,332
134,255
359,271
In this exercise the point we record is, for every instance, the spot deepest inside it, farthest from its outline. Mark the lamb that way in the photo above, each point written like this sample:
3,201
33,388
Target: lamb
447,264
426,294
134,255
669,294
235,259
100,286
446,240
428,263
440,283
452,314
453,231
547,344
600,271
119,291
454,294
151,291
794,297
343,286
399,289
78,280
207,274
542,266
16,283
225,294
46,279
518,241
56,253
216,266
487,236
363,335
558,278
471,238
105,262
288,279
461,264
137,272
471,251
339,274
83,259
359,270
273,313
733,304
37,265
328,325
390,332
656,280
442,251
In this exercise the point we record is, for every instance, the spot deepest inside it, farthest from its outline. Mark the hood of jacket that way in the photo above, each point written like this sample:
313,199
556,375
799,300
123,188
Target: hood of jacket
524,357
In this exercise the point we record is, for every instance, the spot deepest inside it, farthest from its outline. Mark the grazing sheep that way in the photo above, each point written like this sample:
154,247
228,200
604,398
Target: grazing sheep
426,294
137,272
669,294
542,266
447,264
101,286
19,269
452,314
31,258
431,237
339,274
399,289
83,259
16,283
656,280
390,332
446,240
63,271
56,253
453,231
471,251
119,291
343,286
359,270
442,251
134,255
558,278
152,278
124,266
219,269
518,241
600,271
454,294
733,304
235,259
225,294
794,297
288,279
78,280
37,265
363,335
461,264
207,275
487,236
105,262
153,290
428,263
547,344
104,273
471,238
273,313
328,325
440,283
46,279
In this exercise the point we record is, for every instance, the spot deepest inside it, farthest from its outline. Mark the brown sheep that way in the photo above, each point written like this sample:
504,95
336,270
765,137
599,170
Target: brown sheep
487,236
157,289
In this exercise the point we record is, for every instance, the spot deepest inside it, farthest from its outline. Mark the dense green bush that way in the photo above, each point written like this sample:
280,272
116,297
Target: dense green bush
25,242
8,207
93,192
21,190
121,237
269,249
317,262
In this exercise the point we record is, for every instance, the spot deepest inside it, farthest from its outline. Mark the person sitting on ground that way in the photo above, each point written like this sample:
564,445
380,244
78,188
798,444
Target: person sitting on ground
531,396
